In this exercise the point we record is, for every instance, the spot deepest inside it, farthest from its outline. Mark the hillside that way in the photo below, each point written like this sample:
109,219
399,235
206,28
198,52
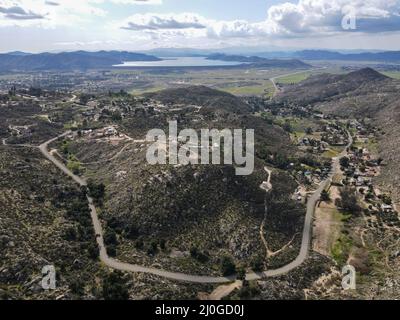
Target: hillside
203,96
321,87
78,60
178,208
366,95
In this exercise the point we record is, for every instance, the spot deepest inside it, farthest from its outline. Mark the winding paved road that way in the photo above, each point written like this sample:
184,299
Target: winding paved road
118,265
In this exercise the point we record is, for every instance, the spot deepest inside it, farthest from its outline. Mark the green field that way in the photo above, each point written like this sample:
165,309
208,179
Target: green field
241,82
265,89
294,78
392,74
147,90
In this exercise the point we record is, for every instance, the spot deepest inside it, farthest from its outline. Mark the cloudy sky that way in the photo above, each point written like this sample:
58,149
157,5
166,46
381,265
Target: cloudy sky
57,25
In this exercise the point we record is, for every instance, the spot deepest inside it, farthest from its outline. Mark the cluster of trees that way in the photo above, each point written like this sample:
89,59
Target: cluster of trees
85,98
36,92
249,290
228,266
257,263
114,115
114,286
13,91
279,160
153,247
119,94
348,200
200,256
77,211
111,242
97,191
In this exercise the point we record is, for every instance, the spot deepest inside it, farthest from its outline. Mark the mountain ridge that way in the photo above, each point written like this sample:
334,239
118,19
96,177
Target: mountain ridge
65,61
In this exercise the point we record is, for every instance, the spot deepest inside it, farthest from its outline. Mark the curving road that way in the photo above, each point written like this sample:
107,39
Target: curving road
118,265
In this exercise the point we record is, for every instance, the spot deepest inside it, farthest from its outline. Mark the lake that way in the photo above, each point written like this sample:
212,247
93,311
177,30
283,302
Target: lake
179,62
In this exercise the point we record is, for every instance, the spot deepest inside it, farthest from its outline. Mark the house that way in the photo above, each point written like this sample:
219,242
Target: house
360,182
110,131
387,208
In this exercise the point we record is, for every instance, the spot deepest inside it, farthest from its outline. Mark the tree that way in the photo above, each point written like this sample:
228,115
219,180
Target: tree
194,251
241,273
114,287
77,287
345,162
349,201
325,196
116,116
163,244
93,251
257,264
198,255
70,234
110,237
152,248
228,267
139,245
96,191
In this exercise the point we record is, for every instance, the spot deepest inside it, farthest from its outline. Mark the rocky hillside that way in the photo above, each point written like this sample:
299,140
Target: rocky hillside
206,97
207,207
324,87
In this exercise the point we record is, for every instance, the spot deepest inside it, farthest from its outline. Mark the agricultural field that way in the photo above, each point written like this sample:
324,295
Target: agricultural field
392,74
294,78
240,82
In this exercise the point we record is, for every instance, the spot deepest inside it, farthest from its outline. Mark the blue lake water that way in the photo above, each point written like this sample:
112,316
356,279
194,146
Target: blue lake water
179,62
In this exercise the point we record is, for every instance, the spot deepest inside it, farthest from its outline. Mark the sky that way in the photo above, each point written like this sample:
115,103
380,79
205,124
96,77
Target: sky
138,25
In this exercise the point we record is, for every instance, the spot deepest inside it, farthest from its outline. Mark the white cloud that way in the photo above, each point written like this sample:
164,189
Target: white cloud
50,13
299,21
152,21
326,15
314,18
139,2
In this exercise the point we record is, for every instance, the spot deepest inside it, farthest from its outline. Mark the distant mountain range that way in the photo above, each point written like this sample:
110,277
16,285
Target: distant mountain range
64,61
277,53
84,60
260,62
386,56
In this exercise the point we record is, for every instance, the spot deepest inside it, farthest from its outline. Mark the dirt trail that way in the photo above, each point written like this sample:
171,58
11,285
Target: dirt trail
225,290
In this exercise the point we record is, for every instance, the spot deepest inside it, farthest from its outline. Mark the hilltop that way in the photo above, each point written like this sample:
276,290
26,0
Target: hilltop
320,87
206,97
